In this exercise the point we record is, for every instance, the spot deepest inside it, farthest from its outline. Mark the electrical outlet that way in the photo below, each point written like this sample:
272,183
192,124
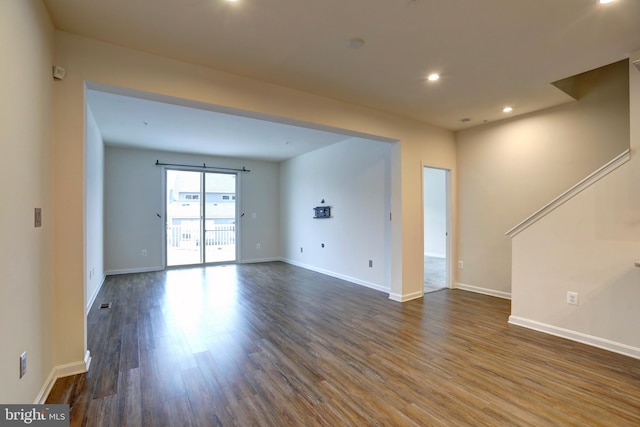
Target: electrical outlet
144,252
460,265
301,249
257,245
23,364
370,263
572,298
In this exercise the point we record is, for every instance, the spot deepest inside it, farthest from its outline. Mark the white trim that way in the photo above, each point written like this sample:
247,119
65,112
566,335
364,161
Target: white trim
580,337
406,297
95,294
448,256
238,229
337,275
259,260
484,291
74,367
60,372
618,161
132,270
46,388
238,209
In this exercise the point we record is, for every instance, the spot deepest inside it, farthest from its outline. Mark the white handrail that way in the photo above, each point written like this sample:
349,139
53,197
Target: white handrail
618,161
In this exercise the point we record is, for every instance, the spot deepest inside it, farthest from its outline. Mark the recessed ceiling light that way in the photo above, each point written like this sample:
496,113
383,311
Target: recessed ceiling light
507,109
606,1
433,77
355,43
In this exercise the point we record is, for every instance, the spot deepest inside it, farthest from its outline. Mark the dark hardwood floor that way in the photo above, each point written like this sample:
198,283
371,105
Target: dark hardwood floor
275,345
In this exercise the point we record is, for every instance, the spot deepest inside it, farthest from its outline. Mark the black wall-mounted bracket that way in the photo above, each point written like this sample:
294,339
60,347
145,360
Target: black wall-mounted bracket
322,212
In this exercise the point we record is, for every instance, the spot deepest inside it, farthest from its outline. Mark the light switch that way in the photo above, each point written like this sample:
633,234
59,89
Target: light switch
38,217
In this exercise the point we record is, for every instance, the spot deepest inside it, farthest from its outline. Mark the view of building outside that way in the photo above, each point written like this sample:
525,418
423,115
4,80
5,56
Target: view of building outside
200,232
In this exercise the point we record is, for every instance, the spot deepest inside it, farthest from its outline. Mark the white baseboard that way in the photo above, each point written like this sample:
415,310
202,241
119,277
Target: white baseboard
580,337
60,372
485,291
46,388
337,275
75,367
133,270
406,297
258,260
95,294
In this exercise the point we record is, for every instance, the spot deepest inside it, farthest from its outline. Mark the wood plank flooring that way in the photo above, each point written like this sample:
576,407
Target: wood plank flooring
275,345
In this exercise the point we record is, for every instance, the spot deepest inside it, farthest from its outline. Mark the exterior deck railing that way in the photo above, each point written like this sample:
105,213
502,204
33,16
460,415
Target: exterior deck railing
189,237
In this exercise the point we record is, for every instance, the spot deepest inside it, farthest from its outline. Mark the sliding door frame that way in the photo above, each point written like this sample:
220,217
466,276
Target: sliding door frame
237,216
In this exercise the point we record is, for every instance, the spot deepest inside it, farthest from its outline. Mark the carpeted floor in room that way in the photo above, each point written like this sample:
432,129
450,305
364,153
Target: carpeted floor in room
435,273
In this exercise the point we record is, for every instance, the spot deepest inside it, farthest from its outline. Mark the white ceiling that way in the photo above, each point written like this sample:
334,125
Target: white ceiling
169,126
490,53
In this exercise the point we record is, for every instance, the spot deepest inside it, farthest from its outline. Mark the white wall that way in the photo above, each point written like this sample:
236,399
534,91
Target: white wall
354,178
134,195
435,212
26,307
90,60
510,169
588,245
94,210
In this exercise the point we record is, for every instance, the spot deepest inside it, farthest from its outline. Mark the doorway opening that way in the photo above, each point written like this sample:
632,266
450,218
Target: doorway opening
200,209
436,229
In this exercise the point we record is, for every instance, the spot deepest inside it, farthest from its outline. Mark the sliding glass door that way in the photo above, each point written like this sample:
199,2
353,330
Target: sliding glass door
220,217
201,217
